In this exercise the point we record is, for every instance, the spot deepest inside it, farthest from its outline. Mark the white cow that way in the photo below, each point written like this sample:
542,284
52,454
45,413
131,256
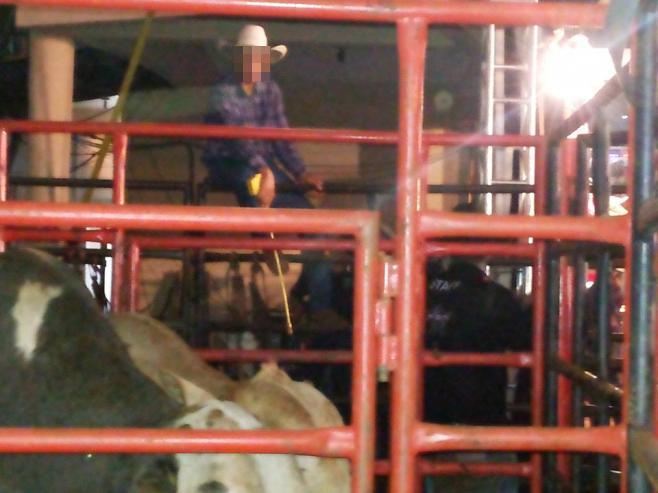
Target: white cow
234,473
280,402
269,400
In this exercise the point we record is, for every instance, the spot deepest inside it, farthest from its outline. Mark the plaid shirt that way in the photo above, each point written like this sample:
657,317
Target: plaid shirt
230,105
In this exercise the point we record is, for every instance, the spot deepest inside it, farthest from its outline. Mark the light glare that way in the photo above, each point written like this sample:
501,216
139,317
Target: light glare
574,71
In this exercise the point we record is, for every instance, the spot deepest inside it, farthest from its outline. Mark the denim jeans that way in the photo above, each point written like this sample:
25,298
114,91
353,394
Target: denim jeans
315,278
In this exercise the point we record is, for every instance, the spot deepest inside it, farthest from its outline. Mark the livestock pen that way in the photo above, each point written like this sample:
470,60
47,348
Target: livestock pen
389,301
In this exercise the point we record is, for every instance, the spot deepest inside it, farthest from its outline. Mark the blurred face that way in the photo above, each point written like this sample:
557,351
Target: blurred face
251,63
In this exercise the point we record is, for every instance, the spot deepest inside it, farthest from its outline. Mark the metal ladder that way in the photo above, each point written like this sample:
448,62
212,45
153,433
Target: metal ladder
505,113
498,163
509,165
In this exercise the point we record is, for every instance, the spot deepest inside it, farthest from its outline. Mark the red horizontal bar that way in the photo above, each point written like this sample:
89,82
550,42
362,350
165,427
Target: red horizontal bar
255,355
441,438
432,467
520,469
454,139
184,218
614,230
430,358
370,137
326,442
101,236
511,360
550,14
200,131
241,243
516,250
521,250
179,242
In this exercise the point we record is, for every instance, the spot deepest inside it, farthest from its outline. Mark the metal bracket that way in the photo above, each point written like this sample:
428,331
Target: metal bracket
386,339
390,278
386,356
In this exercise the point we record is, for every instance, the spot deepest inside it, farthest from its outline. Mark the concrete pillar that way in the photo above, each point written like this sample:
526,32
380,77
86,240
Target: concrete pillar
51,98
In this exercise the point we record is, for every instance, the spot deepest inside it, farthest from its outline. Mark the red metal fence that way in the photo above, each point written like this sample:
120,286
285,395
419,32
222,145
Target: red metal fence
395,343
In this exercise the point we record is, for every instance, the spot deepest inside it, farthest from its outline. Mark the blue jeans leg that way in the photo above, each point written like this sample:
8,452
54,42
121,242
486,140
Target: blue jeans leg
234,176
316,274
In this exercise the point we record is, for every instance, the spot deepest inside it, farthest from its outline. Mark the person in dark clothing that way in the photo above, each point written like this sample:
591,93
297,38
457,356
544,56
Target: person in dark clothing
468,312
255,169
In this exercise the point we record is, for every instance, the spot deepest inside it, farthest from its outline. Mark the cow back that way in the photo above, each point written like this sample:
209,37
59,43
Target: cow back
63,366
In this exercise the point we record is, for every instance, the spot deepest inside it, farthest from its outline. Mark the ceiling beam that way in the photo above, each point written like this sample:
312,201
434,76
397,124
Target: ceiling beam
31,17
83,26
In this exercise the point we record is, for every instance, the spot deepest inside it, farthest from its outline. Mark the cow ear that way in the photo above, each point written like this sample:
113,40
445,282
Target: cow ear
172,386
190,394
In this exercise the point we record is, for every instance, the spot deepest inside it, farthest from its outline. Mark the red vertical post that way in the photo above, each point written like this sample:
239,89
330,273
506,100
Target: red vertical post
540,178
424,177
4,171
120,153
119,150
118,270
134,261
423,183
4,163
412,43
565,352
568,159
420,306
364,366
539,315
565,320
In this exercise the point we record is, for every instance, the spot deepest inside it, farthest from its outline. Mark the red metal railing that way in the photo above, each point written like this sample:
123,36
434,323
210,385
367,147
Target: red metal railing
611,230
24,214
143,217
603,440
427,467
328,442
550,14
13,234
4,164
355,442
410,436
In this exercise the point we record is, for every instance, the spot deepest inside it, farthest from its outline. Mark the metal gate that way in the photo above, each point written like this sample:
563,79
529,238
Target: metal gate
389,295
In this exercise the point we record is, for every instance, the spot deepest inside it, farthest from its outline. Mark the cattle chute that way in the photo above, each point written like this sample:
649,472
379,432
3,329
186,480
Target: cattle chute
400,346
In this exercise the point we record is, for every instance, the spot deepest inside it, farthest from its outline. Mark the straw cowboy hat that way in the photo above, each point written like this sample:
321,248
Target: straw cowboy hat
254,35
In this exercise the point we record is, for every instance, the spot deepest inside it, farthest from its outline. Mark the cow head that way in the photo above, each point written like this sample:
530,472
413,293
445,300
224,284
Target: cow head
233,473
216,473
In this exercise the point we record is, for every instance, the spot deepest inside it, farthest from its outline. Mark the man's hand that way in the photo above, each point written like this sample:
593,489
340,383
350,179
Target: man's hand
311,180
267,191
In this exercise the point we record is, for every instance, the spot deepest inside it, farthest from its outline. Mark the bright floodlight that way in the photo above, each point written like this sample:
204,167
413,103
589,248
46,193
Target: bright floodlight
574,71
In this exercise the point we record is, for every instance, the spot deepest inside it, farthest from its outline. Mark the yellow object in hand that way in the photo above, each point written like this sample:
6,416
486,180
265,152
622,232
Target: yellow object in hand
253,184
